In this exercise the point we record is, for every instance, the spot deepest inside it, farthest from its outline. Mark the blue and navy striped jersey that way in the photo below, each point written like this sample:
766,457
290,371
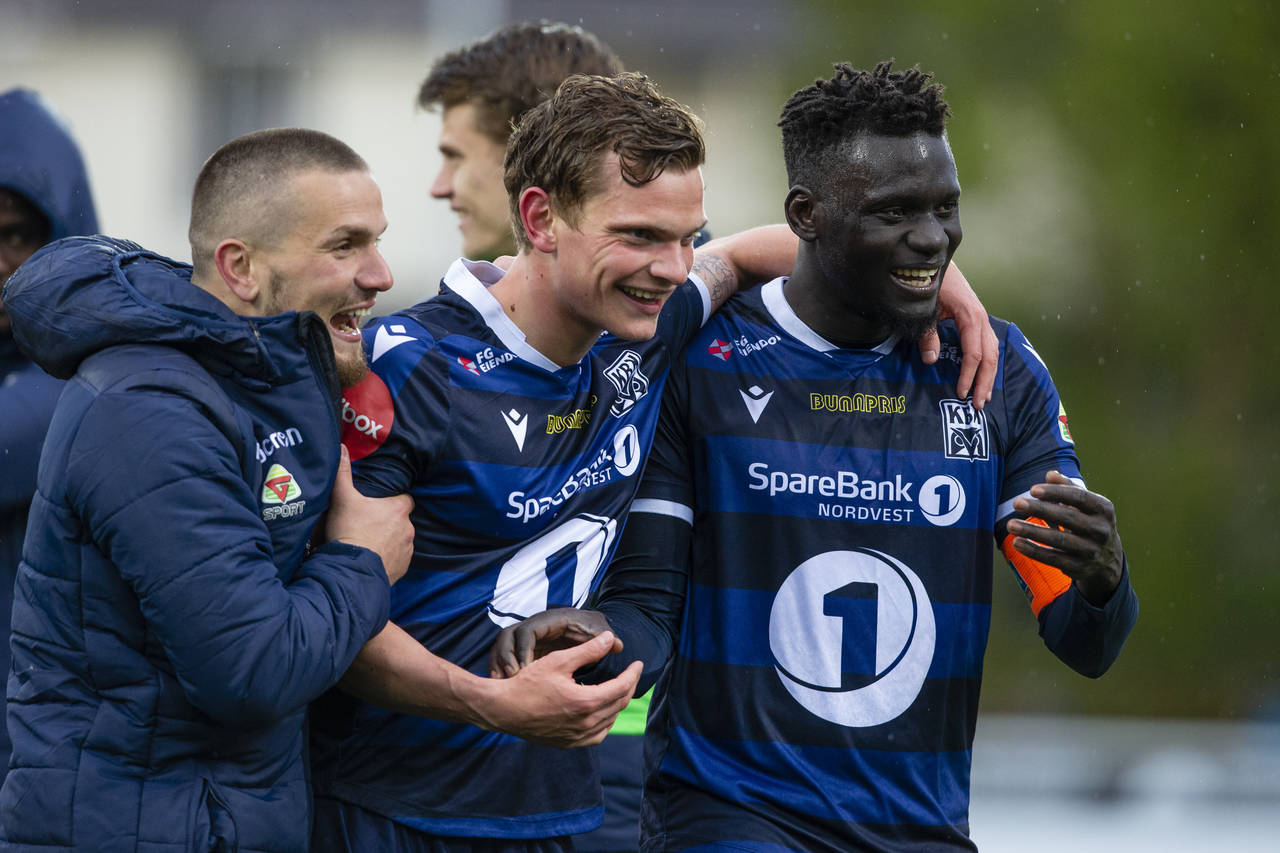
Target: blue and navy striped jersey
823,690
521,473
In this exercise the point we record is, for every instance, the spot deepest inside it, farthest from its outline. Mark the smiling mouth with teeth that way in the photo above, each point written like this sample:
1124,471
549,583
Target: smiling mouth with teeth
641,295
917,278
349,321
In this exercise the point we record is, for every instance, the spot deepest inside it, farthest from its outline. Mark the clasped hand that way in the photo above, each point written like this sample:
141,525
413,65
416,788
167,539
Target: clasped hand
1081,539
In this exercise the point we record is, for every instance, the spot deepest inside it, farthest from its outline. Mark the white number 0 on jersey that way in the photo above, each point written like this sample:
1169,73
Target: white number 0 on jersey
523,584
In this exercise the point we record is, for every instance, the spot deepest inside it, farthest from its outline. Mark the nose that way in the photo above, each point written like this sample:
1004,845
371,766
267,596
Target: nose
928,236
442,186
374,273
672,262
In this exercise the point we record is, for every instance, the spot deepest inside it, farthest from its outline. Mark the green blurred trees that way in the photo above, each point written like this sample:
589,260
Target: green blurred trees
1121,167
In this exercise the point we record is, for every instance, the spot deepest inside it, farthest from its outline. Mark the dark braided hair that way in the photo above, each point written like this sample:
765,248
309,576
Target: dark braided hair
818,119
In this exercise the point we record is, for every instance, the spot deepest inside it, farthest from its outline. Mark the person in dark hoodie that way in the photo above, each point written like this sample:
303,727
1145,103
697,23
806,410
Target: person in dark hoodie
44,195
182,594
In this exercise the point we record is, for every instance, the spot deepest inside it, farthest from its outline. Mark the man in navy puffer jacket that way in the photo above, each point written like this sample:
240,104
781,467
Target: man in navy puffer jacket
171,619
44,195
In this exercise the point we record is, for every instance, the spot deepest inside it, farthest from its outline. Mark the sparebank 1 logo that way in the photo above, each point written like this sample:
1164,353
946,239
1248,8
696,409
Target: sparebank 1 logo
942,500
852,635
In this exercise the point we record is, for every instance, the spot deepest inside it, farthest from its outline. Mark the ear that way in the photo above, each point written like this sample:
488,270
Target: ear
232,259
804,213
537,217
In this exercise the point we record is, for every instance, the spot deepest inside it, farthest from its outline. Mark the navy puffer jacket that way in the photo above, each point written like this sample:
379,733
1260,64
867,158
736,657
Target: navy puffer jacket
39,161
169,625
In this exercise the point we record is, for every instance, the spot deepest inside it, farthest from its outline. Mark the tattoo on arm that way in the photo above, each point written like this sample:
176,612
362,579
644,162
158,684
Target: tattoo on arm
718,275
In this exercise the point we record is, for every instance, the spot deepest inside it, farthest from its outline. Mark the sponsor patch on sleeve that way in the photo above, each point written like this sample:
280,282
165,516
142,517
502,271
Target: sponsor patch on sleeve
367,416
1062,424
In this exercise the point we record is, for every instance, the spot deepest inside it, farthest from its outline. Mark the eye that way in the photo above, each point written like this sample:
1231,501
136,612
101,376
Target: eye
948,208
20,237
892,214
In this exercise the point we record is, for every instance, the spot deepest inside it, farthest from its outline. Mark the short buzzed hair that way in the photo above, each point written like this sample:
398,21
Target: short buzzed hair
819,119
242,190
559,146
506,74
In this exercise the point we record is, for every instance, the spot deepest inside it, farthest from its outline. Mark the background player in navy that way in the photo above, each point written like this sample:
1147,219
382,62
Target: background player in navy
811,546
483,88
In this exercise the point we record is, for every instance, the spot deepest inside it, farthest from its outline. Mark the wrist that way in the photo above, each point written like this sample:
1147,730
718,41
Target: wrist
476,698
1097,590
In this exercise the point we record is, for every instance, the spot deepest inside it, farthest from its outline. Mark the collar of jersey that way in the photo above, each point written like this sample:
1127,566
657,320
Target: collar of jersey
471,281
776,304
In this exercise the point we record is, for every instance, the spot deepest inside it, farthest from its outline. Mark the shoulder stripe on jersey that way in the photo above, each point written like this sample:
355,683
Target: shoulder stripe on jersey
470,280
776,304
1006,509
705,296
660,507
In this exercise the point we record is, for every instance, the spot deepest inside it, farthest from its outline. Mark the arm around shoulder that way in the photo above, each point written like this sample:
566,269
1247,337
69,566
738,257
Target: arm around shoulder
748,258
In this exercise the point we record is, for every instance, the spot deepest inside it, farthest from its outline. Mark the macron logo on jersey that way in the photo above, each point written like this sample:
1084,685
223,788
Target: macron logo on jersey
367,415
756,399
388,338
518,423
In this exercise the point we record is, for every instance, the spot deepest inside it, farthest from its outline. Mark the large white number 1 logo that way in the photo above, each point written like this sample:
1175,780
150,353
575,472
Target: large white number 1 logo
524,584
853,636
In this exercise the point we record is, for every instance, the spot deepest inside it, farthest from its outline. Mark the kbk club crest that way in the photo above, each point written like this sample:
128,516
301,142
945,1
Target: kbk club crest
626,376
964,431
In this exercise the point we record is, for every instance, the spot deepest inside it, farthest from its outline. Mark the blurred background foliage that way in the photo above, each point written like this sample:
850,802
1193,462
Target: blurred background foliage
1120,172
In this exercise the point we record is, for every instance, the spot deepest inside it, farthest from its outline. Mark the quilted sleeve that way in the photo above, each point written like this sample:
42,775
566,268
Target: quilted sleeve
159,490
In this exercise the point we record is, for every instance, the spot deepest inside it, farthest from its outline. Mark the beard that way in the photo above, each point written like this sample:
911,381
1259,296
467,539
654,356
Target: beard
348,357
914,327
352,366
906,325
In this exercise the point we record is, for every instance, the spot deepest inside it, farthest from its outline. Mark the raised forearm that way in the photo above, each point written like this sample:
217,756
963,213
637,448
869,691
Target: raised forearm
745,259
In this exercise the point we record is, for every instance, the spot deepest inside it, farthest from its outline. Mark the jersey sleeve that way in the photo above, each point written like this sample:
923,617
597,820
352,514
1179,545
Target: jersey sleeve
684,314
1086,637
1038,439
395,418
643,591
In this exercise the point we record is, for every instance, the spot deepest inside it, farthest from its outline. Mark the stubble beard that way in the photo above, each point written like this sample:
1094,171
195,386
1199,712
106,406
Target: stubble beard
348,357
352,366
